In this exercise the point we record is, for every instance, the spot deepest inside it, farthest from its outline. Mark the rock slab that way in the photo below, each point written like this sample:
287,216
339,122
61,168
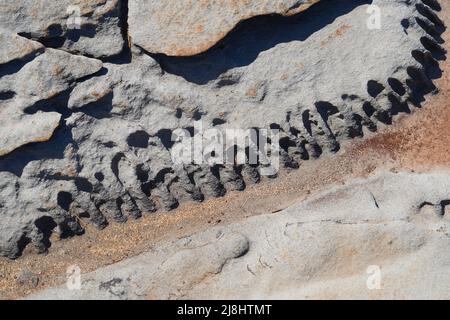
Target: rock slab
186,28
392,226
320,78
86,27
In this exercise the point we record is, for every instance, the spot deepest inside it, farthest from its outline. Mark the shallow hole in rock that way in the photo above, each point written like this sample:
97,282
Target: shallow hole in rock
84,215
83,184
397,105
138,139
218,121
64,199
141,174
374,88
286,143
23,242
99,176
326,109
191,131
7,95
165,135
178,113
46,225
275,126
109,144
405,24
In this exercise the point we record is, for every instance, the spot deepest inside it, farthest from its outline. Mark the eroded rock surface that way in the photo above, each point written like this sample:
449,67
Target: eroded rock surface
24,129
47,74
319,78
328,247
15,47
87,27
186,28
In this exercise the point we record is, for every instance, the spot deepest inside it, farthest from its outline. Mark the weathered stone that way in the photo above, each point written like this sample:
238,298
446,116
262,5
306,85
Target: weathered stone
44,77
15,47
184,28
48,75
87,27
321,78
365,240
27,278
26,129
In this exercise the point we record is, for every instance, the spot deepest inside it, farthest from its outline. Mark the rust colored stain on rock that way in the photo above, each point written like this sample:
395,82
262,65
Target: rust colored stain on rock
185,28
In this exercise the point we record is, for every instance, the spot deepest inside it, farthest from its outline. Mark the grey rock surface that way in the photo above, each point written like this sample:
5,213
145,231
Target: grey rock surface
16,47
87,27
25,129
47,75
324,248
320,77
186,28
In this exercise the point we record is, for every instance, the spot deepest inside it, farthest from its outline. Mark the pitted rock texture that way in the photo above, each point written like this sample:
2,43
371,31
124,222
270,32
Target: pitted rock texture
321,77
87,27
186,28
328,247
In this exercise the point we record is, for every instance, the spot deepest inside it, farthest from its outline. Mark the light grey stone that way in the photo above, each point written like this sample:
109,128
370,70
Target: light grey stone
15,47
47,75
27,129
321,77
90,28
328,247
186,28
